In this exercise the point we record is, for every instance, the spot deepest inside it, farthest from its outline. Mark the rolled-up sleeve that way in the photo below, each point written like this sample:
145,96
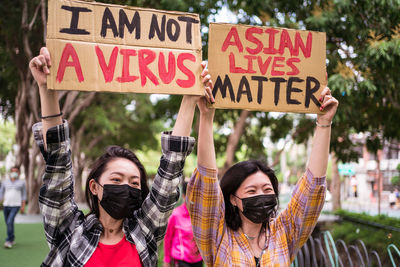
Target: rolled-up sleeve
164,193
298,220
206,207
56,194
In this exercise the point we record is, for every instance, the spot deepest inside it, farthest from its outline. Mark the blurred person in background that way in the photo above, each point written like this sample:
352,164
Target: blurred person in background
179,246
13,196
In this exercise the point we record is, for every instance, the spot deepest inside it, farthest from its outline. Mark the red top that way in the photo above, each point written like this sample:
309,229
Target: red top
121,254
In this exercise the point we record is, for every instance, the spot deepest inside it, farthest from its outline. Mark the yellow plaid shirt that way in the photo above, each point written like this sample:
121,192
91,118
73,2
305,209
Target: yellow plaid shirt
221,246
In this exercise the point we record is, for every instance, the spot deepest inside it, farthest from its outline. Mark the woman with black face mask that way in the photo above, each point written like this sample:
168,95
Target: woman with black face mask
234,220
126,221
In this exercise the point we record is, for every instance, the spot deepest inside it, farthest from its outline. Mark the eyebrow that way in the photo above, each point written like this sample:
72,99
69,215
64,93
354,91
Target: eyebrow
252,186
121,174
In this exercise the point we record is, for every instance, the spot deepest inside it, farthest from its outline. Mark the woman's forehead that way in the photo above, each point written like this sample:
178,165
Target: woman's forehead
256,179
122,165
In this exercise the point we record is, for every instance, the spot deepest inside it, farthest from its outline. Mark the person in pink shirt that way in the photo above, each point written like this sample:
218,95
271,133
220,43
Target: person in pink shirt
179,246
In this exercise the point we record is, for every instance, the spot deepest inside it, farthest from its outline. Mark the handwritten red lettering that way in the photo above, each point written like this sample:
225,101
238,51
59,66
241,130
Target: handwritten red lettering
285,42
299,43
69,51
233,33
290,64
251,38
108,70
166,76
191,78
126,77
275,65
271,41
146,56
232,65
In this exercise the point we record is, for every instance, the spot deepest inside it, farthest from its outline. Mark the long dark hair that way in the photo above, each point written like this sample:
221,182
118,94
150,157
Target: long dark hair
98,167
232,180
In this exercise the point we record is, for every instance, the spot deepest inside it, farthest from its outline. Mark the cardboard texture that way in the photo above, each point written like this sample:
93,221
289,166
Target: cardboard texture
99,47
266,69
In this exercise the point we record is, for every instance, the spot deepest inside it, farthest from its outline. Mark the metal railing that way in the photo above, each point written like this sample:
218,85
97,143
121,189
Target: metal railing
324,251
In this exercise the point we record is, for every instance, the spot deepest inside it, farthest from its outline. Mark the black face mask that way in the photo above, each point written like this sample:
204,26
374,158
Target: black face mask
120,201
258,208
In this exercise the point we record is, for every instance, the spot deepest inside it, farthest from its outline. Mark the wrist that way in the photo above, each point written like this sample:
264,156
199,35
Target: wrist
323,123
190,99
209,116
323,120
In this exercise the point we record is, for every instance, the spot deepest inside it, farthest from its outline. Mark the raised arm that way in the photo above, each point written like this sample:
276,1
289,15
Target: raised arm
204,196
40,68
206,150
184,121
52,136
318,160
298,220
176,146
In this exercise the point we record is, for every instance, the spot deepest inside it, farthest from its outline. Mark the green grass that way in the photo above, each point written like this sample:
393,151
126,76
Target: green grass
30,249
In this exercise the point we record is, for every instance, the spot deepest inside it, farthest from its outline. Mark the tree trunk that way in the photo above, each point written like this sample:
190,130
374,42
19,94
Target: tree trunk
78,165
336,205
233,141
27,103
35,180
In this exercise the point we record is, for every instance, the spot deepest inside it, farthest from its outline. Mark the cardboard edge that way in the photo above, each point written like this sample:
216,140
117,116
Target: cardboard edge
263,26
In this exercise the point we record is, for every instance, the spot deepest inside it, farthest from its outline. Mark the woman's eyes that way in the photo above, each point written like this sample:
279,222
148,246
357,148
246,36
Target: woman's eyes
119,180
266,190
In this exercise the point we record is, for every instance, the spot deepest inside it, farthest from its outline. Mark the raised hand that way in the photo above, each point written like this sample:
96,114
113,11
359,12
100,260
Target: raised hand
208,85
329,104
40,67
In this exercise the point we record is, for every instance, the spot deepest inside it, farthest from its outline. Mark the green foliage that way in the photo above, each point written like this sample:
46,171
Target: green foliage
3,171
122,119
374,238
7,137
12,54
395,180
381,219
363,52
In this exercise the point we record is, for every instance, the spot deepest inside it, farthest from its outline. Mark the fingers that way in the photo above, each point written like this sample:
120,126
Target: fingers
209,96
46,54
41,62
329,101
204,73
324,93
206,79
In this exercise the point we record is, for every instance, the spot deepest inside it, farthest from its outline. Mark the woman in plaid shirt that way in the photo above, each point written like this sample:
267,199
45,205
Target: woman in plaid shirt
234,221
126,219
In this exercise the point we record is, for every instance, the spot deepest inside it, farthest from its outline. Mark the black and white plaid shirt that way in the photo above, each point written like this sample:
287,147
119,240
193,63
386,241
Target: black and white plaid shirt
71,236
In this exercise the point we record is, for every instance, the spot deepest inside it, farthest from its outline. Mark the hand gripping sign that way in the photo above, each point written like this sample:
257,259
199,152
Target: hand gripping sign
267,69
99,47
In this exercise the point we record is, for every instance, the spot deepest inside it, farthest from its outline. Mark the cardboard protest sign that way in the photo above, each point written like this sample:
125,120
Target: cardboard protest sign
267,69
99,47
